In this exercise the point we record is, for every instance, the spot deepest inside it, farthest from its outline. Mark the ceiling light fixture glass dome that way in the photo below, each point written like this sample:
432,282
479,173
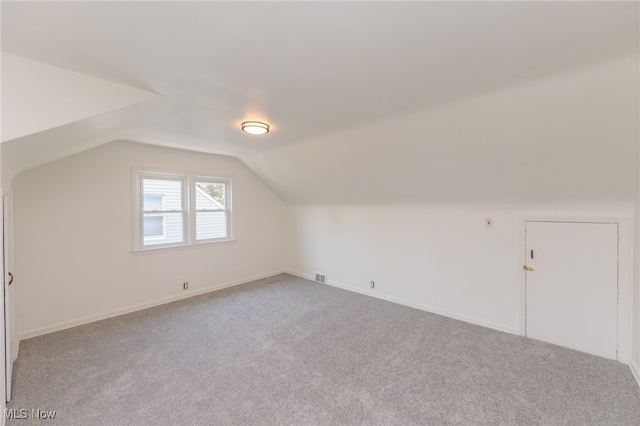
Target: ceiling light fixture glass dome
255,127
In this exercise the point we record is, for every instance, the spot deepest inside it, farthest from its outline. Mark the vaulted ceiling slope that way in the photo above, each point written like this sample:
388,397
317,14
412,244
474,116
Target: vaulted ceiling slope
369,101
38,96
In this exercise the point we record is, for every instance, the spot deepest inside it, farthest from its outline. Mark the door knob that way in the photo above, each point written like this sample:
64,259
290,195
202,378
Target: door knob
10,278
527,268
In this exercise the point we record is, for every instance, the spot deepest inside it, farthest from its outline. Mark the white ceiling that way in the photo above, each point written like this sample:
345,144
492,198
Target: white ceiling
319,73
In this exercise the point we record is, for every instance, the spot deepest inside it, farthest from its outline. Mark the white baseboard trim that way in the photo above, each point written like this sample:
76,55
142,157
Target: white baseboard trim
117,312
635,370
420,306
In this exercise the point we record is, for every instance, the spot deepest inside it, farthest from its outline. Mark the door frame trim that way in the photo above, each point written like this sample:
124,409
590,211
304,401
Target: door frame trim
7,244
625,268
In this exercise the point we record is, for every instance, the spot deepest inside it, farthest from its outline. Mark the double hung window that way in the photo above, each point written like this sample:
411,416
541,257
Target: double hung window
175,210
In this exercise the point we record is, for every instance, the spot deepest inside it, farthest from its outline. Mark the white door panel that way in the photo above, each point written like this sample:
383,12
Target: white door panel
572,294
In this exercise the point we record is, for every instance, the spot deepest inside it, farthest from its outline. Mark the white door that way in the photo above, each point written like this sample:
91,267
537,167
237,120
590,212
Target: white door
8,279
572,292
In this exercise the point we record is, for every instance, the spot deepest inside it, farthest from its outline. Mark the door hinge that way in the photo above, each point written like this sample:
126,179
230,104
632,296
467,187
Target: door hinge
527,268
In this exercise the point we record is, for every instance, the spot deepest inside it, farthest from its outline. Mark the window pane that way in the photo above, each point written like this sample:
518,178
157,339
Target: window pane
153,202
211,225
210,196
169,190
172,228
154,226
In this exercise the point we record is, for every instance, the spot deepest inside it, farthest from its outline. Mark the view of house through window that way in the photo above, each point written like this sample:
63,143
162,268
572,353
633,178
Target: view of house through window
153,223
163,210
211,215
181,210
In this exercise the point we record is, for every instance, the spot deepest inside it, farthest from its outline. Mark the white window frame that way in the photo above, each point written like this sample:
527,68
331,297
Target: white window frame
227,206
188,185
141,176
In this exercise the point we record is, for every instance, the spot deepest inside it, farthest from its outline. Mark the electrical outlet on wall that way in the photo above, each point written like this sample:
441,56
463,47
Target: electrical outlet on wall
185,285
321,278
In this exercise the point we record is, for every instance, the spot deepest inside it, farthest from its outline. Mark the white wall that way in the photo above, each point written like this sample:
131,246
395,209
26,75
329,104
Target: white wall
439,258
73,236
38,96
635,329
567,138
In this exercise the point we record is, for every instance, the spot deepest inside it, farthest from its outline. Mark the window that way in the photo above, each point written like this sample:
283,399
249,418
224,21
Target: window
154,227
176,210
211,213
153,223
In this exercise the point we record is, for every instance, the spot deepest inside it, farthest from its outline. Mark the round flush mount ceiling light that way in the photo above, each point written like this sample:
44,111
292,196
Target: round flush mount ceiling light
255,127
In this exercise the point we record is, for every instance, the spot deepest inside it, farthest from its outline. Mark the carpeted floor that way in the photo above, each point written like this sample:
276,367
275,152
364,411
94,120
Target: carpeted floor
286,351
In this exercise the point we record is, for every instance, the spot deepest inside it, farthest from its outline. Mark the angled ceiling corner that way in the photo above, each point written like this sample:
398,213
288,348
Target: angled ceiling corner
37,96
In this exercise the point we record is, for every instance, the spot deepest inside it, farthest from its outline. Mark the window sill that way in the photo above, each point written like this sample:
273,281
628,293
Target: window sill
154,250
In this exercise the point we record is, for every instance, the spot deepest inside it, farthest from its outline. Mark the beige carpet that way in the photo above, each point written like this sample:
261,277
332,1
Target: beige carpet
286,351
